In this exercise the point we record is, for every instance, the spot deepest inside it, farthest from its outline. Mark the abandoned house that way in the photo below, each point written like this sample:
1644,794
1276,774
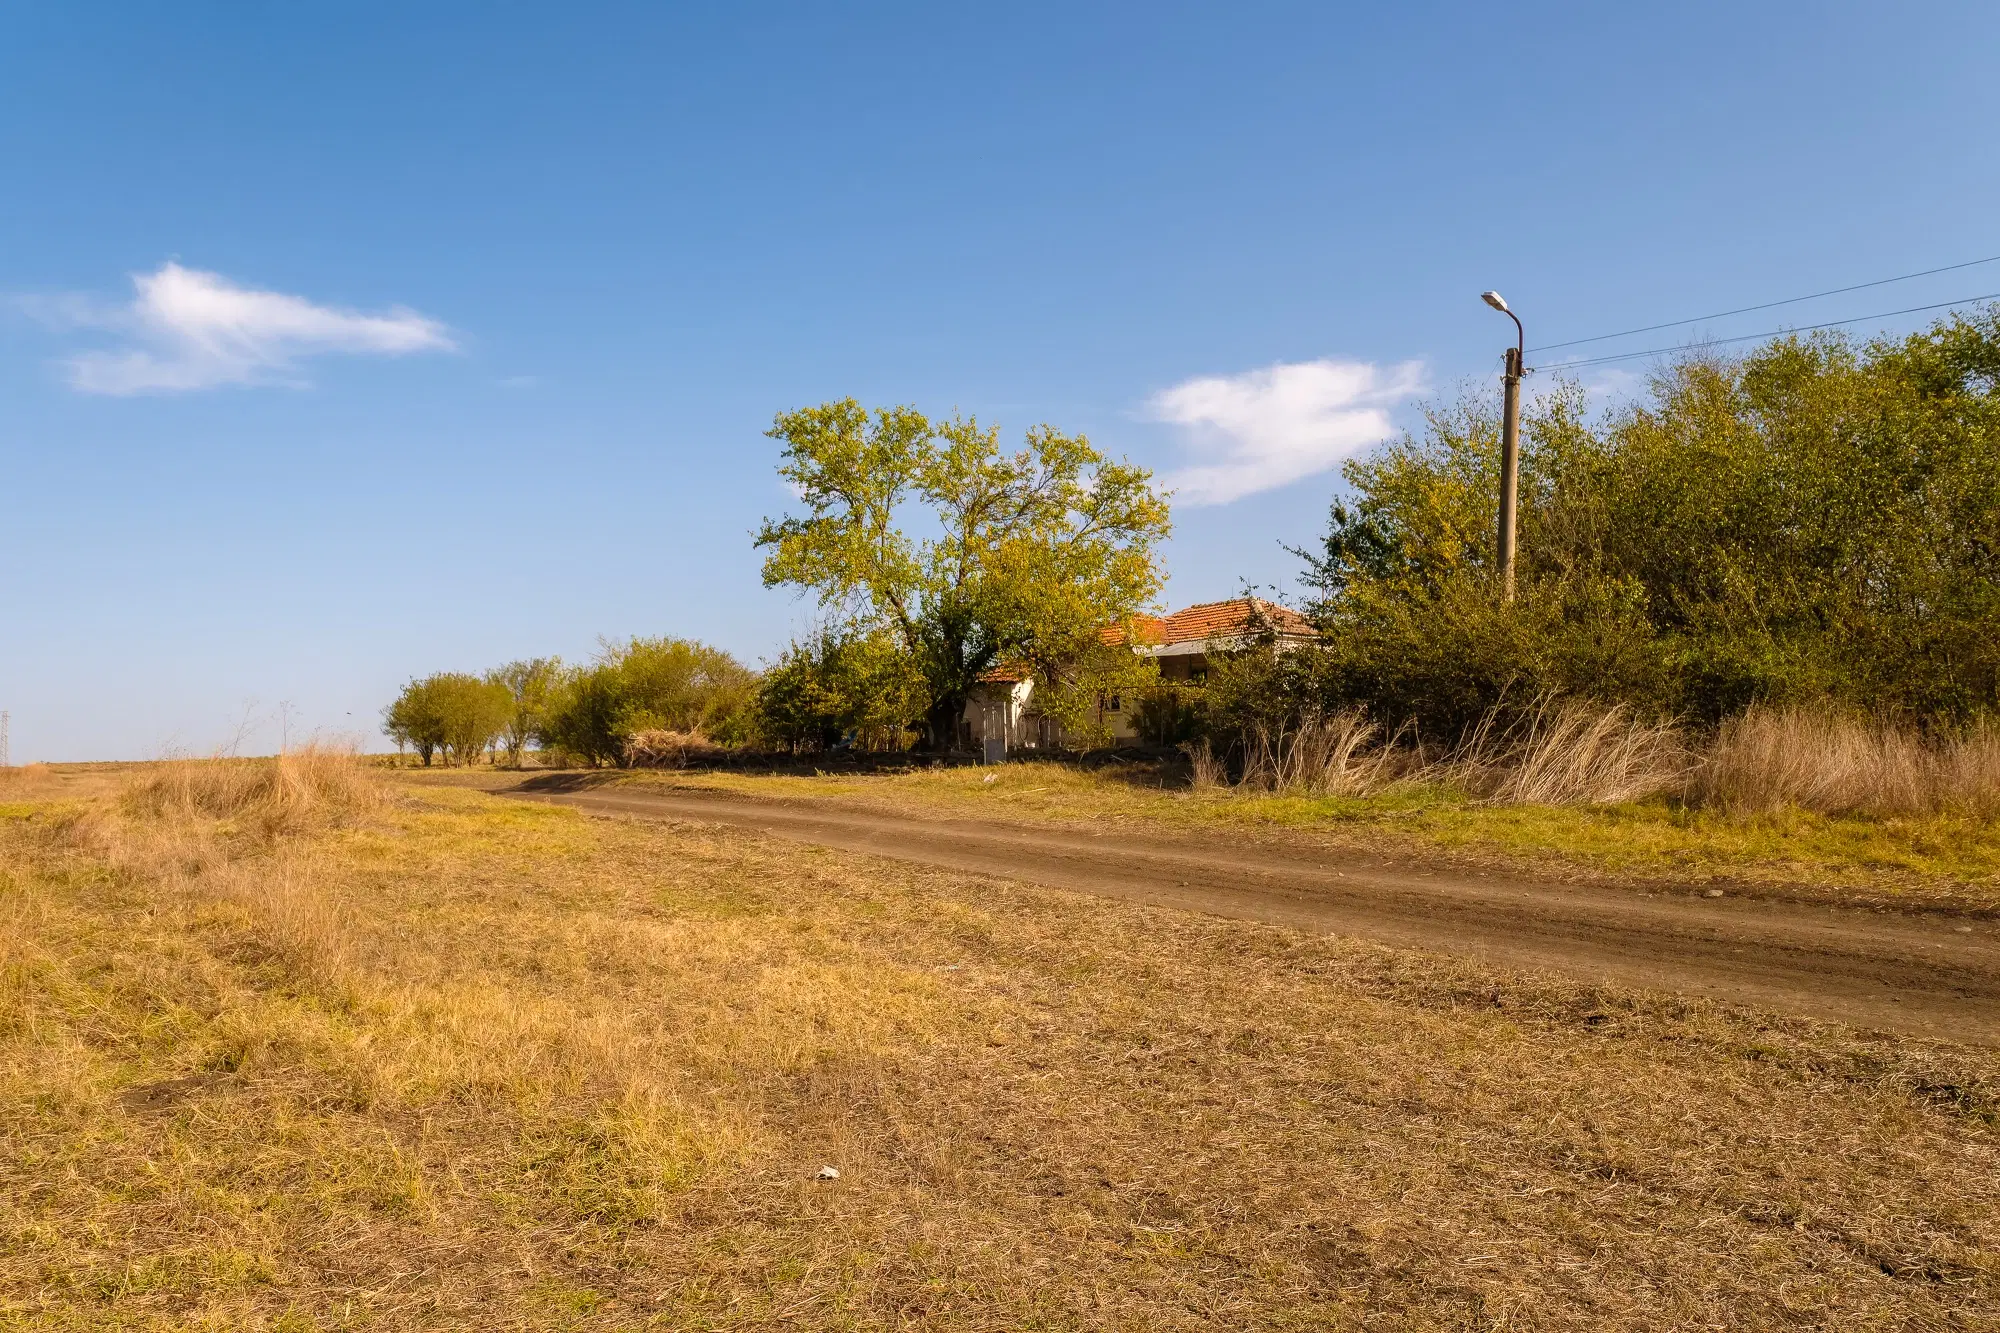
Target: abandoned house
1001,714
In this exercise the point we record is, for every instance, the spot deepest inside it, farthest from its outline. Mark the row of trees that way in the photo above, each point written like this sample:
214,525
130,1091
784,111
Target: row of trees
451,715
589,712
1815,522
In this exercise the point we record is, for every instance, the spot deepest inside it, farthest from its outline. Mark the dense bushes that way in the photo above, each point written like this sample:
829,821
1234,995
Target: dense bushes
1166,713
1817,522
841,689
676,685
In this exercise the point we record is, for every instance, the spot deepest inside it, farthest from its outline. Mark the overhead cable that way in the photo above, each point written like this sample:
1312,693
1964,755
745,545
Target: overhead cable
1768,305
1774,333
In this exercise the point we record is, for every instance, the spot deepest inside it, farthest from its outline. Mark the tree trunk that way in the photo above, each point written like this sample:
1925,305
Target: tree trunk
941,722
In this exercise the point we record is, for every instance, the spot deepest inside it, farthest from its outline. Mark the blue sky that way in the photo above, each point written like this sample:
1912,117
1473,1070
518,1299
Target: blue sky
455,329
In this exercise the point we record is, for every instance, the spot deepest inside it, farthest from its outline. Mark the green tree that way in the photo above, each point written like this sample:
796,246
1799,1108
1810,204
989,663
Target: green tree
450,713
475,713
586,715
1025,556
680,684
529,684
416,720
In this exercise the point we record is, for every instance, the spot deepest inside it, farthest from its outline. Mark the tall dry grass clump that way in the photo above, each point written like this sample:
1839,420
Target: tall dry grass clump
309,787
1208,771
1767,758
1340,755
1572,752
1580,752
1968,770
1562,752
300,919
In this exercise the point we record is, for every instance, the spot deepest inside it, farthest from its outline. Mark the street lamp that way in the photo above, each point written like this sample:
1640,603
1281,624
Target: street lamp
1510,442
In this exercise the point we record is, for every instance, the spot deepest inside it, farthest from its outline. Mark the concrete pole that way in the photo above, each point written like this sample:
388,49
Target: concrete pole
1510,467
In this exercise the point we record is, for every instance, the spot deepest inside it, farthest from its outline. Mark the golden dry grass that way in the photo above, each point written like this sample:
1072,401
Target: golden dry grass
447,1062
1577,752
298,790
1340,755
1568,752
1770,758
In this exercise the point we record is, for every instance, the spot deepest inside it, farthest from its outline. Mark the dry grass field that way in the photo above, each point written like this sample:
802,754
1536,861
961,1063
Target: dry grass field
287,1047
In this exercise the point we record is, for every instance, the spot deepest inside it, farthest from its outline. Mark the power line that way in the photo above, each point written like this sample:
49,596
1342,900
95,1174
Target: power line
1768,305
1753,337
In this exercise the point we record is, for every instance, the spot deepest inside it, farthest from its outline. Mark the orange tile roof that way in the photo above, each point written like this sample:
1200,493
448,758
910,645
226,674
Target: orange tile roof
1146,629
1194,624
1212,620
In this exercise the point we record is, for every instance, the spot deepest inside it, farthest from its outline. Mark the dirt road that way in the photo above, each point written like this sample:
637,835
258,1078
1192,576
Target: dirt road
1931,974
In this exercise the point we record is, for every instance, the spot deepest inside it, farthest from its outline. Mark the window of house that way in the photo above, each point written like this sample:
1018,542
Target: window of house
1113,705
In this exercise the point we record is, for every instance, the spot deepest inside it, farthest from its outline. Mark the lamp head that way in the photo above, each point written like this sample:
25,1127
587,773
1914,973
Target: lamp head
1493,299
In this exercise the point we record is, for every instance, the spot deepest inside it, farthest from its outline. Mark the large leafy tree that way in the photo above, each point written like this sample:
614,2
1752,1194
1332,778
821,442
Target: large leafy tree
969,555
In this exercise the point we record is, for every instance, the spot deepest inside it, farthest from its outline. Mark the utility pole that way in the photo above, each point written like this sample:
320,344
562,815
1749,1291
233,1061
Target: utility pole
6,759
1510,442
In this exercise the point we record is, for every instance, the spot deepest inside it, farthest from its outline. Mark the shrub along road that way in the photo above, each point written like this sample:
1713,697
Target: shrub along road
1932,973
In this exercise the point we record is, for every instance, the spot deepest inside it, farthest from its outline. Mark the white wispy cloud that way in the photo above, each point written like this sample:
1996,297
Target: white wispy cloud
188,329
1265,428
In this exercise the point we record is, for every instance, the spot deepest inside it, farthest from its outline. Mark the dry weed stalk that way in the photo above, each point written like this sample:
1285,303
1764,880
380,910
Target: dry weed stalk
1209,772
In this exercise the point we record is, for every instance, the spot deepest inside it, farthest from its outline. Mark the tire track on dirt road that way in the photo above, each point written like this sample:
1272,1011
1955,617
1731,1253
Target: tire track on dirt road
1932,974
